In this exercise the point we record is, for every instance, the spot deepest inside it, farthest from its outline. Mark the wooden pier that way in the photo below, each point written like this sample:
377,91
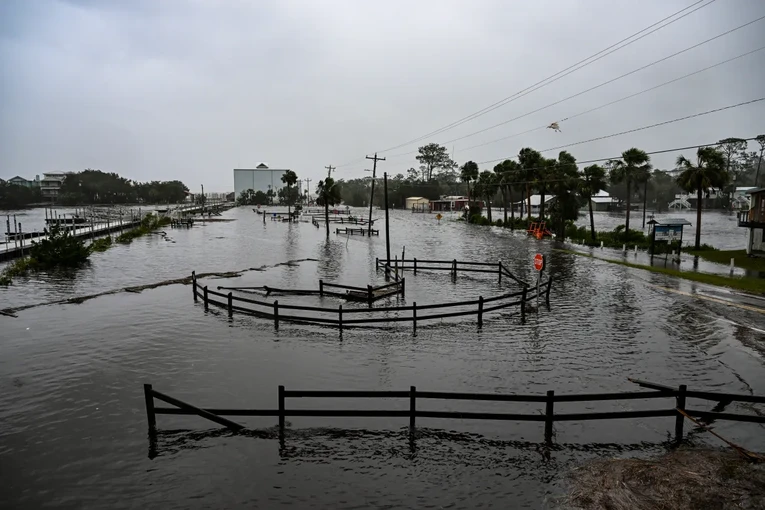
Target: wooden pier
357,231
12,249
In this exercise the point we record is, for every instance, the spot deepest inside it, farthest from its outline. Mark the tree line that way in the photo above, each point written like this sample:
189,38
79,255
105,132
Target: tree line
629,179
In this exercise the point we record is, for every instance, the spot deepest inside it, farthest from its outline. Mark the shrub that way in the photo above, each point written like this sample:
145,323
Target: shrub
100,245
60,249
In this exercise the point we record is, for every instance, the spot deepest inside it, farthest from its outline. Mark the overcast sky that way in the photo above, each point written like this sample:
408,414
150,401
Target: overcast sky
190,89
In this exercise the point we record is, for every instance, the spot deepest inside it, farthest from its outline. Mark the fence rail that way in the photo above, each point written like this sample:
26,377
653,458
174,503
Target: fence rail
271,311
453,266
549,416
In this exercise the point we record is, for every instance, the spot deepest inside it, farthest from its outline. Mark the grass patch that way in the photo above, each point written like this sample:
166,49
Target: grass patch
100,245
149,224
19,267
753,285
740,258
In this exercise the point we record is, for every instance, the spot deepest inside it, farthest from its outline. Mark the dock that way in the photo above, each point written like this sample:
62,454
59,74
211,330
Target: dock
12,249
357,231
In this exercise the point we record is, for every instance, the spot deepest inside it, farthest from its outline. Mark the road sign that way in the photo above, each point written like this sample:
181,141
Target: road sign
539,262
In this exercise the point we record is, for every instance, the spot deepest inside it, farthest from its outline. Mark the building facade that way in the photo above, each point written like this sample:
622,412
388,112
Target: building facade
50,185
754,221
261,178
20,181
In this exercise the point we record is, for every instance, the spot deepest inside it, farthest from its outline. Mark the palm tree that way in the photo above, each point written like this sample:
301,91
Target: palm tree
592,182
507,174
327,193
563,175
545,171
708,172
469,172
530,162
633,168
487,183
290,179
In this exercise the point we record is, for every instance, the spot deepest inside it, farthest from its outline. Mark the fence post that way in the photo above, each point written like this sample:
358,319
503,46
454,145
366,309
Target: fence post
547,294
680,419
412,407
340,317
523,304
230,304
369,294
206,305
414,317
276,314
415,265
403,287
454,268
499,271
148,395
549,415
396,266
480,312
377,262
321,288
281,409
194,284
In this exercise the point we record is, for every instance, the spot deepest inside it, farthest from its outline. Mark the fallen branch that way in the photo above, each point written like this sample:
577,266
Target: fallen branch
740,450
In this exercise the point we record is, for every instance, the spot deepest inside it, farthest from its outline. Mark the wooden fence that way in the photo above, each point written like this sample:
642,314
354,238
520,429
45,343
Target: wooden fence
549,416
337,316
453,266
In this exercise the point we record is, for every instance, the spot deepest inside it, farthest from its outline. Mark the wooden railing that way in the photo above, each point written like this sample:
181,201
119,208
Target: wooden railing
337,316
548,416
453,266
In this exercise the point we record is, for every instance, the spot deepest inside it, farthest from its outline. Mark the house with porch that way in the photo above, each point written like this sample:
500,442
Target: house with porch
754,220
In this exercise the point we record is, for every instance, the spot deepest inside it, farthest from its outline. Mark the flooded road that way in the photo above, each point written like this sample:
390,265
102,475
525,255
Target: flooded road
73,430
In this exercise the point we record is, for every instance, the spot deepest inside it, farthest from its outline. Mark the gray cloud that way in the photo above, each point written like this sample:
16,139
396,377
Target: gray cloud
191,89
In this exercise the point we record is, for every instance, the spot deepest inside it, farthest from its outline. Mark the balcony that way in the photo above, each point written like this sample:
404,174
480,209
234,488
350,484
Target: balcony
750,219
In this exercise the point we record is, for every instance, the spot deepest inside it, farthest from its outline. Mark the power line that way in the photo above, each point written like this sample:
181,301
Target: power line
608,81
560,74
601,85
638,129
617,100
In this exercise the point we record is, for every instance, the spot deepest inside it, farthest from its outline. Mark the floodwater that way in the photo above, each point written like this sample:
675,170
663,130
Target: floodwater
73,430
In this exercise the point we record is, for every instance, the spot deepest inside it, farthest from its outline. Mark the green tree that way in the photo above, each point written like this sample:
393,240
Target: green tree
732,149
563,176
486,188
531,163
13,196
708,172
290,179
634,168
591,182
761,140
327,193
469,172
508,172
433,157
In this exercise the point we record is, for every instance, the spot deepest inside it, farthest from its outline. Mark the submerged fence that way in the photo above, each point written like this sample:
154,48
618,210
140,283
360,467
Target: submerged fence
549,416
338,316
453,266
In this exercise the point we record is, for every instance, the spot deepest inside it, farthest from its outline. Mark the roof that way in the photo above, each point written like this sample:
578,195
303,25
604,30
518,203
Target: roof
601,193
17,178
745,188
417,198
602,200
755,190
673,222
537,199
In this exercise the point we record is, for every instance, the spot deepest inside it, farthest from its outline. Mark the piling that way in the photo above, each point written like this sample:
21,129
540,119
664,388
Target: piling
194,284
321,288
549,409
276,314
414,318
480,312
149,398
636,250
454,268
403,287
281,410
415,266
680,419
21,230
230,304
206,304
412,407
340,317
732,264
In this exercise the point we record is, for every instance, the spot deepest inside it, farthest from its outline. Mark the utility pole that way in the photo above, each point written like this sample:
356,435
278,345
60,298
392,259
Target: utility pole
372,193
329,170
203,198
307,190
387,221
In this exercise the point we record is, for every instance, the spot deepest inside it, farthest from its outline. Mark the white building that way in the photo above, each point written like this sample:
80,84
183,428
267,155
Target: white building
260,178
51,183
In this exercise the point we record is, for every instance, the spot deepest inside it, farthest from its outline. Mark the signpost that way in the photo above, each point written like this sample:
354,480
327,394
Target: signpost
539,265
438,217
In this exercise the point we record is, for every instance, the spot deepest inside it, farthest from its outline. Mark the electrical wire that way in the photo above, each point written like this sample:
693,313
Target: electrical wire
560,74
